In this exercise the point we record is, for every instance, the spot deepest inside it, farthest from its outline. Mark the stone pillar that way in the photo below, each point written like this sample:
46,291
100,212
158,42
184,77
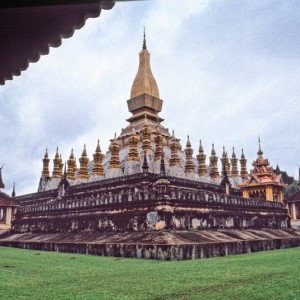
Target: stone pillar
245,193
293,211
269,193
279,196
8,218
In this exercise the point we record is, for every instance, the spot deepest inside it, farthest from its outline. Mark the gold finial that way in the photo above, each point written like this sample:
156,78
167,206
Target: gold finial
213,152
233,153
158,144
98,149
259,152
175,160
46,160
189,164
71,162
225,162
114,148
146,134
144,82
213,165
83,160
243,162
234,167
57,165
201,161
188,143
56,154
84,151
224,153
201,147
144,41
72,154
98,158
133,151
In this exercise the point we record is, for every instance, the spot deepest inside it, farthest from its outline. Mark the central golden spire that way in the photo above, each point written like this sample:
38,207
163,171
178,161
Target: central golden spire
144,82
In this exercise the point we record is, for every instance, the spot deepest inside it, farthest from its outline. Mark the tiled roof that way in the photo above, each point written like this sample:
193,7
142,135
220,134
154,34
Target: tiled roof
6,200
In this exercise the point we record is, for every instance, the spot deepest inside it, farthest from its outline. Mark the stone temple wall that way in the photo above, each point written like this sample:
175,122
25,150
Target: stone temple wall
144,202
163,245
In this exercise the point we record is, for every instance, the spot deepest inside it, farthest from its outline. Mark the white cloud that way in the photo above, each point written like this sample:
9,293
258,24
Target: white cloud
226,73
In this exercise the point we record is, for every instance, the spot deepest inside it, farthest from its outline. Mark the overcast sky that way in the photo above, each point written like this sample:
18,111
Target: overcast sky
227,71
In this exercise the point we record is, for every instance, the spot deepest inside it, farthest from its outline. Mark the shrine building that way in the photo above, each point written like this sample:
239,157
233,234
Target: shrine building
152,195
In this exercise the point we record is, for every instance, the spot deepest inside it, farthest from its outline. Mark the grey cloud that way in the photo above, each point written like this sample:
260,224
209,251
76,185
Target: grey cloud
226,73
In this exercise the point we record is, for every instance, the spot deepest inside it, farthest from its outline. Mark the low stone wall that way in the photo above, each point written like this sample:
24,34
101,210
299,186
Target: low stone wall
162,246
161,252
153,220
144,202
152,215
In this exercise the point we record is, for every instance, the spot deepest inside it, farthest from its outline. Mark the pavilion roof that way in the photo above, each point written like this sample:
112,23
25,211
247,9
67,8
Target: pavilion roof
6,200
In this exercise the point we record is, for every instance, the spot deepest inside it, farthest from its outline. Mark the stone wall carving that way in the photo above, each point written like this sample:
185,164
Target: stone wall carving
118,204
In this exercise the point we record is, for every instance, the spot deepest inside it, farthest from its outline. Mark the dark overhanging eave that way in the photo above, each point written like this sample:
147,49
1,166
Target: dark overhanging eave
35,3
25,34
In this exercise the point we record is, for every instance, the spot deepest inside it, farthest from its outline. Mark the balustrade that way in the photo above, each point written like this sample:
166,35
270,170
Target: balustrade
140,192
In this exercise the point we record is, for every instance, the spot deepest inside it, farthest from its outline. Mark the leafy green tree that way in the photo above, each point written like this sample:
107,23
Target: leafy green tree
291,189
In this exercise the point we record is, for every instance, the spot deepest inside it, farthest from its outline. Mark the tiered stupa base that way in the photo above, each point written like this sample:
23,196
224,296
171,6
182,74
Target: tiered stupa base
173,245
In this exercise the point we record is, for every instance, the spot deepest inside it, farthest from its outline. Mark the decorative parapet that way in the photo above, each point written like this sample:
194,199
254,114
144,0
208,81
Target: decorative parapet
136,188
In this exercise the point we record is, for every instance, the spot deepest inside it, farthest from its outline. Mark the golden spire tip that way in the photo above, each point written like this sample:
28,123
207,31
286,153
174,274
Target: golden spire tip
144,41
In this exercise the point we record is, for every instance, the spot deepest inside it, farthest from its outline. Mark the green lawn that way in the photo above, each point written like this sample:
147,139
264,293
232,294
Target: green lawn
30,274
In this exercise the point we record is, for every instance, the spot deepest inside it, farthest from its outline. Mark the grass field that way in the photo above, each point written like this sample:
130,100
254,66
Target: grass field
30,274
